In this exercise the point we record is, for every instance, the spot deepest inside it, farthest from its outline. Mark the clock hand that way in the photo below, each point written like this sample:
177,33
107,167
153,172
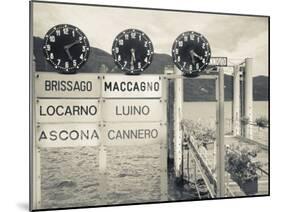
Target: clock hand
67,47
72,44
133,56
68,53
192,56
196,55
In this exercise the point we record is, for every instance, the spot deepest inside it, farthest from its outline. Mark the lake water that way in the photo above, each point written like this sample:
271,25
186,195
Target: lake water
207,110
205,113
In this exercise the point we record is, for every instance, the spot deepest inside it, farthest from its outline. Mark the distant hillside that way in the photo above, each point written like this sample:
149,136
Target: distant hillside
195,90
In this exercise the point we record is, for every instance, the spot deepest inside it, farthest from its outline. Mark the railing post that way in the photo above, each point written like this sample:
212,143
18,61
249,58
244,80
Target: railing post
236,102
220,136
248,102
177,124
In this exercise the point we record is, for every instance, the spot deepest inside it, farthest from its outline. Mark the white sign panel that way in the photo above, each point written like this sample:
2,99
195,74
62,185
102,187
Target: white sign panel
133,133
218,61
124,86
63,85
68,110
133,110
66,135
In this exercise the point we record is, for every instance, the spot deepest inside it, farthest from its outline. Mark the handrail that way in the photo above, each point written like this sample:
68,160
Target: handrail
207,174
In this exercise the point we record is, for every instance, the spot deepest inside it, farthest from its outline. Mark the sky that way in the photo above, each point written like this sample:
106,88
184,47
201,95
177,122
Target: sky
235,37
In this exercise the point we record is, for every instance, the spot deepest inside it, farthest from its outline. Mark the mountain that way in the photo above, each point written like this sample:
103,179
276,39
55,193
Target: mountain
260,85
195,89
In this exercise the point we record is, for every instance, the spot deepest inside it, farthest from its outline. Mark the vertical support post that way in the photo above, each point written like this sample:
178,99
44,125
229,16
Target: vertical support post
236,102
102,153
170,112
177,124
248,102
35,152
164,145
220,136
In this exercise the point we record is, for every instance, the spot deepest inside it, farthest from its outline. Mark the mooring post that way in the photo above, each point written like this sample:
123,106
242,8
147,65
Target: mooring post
236,101
178,135
220,135
248,101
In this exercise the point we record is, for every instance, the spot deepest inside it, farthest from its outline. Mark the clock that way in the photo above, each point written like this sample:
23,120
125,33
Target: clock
191,53
132,51
66,48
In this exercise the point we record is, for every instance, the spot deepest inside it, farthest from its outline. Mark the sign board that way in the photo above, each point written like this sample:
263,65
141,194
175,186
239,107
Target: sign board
57,85
124,86
66,135
133,133
68,110
133,110
218,61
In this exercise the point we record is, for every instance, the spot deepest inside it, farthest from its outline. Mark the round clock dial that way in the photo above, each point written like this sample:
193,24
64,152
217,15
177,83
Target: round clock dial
132,51
191,52
66,48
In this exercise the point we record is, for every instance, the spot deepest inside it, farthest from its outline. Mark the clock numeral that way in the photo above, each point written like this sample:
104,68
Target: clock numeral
185,38
191,37
139,64
203,45
198,39
52,38
73,33
133,35
206,53
132,67
74,63
57,32
190,67
80,38
148,52
145,43
184,64
65,31
66,64
121,42
58,61
197,66
203,60
48,47
139,37
178,58
177,51
116,50
83,48
51,56
119,57
126,37
180,43
81,56
145,59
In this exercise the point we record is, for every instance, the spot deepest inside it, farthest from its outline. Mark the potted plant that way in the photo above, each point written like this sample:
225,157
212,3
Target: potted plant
262,122
243,169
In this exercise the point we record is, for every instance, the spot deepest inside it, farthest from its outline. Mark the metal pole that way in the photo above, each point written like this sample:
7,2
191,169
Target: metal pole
236,102
248,103
177,124
220,136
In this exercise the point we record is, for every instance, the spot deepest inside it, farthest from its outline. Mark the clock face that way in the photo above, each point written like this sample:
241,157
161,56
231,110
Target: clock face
66,48
132,51
191,53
